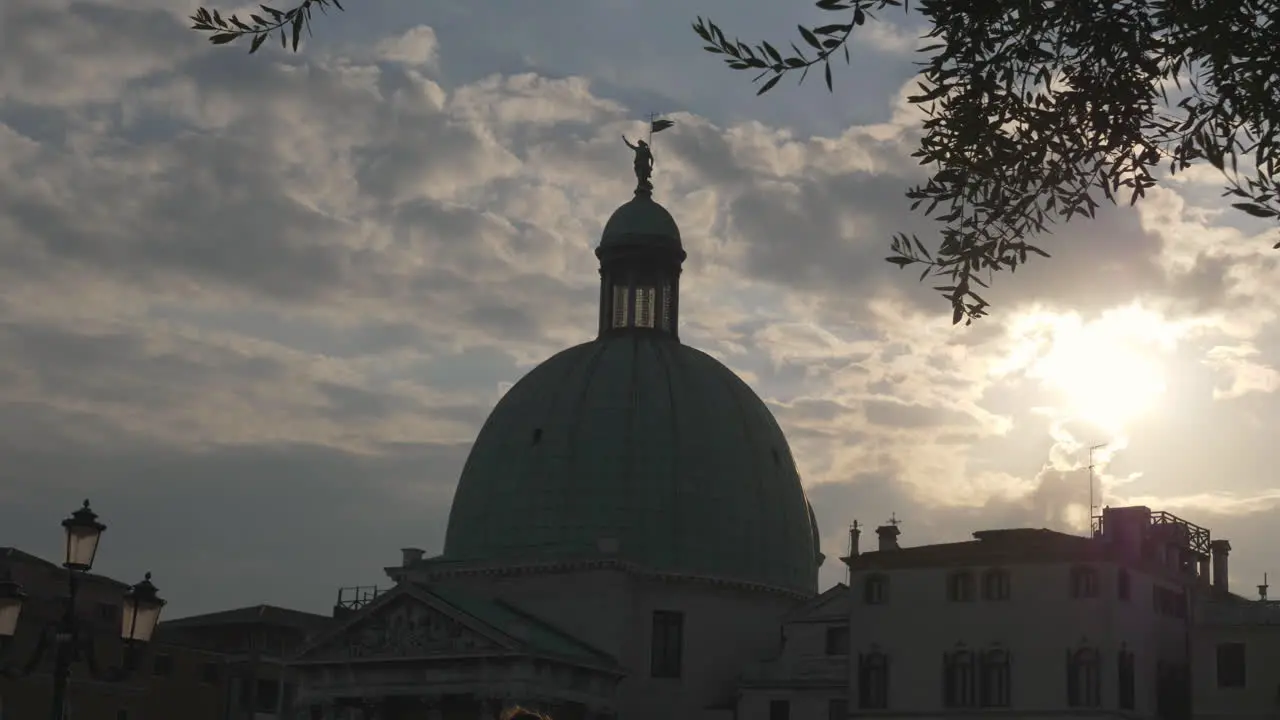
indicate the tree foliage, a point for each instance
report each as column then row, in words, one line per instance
column 289, row 24
column 1038, row 110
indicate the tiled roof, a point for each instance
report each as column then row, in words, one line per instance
column 832, row 603
column 14, row 555
column 990, row 547
column 254, row 615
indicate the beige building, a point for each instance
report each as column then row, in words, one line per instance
column 1236, row 656
column 1029, row 621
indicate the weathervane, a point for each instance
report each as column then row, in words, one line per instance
column 644, row 154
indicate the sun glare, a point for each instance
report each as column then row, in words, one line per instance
column 1105, row 372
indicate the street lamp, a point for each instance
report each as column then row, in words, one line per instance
column 140, row 613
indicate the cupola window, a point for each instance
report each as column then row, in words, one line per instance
column 621, row 316
column 644, row 306
column 641, row 305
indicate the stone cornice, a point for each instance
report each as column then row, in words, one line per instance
column 435, row 569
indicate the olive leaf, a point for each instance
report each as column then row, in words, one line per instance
column 288, row 23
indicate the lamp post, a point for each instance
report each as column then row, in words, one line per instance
column 140, row 613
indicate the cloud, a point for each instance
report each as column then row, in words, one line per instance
column 1246, row 375
column 287, row 290
column 417, row 46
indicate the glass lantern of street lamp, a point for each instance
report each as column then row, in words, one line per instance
column 141, row 612
column 83, row 532
column 11, row 597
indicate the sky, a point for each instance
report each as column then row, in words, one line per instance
column 257, row 308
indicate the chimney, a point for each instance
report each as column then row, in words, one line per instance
column 1220, row 550
column 855, row 532
column 888, row 536
column 410, row 557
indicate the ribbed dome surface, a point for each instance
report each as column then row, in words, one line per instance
column 641, row 222
column 638, row 447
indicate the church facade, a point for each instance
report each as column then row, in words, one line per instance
column 629, row 538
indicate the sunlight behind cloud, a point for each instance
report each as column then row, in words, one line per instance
column 1107, row 372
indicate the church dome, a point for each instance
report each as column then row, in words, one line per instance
column 637, row 447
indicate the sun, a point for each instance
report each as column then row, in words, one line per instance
column 1105, row 373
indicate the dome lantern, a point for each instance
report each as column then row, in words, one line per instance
column 640, row 262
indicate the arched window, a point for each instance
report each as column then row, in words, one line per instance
column 873, row 681
column 1084, row 678
column 959, row 680
column 960, row 586
column 995, row 584
column 995, row 679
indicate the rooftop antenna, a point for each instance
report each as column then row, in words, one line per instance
column 1262, row 589
column 1091, row 466
column 893, row 519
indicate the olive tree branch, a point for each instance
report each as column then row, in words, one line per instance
column 289, row 23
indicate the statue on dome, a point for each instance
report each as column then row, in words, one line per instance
column 643, row 164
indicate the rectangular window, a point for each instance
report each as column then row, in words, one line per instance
column 995, row 585
column 1123, row 583
column 1231, row 665
column 873, row 681
column 162, row 665
column 620, row 302
column 960, row 587
column 837, row 709
column 779, row 710
column 667, row 644
column 1084, row 583
column 838, row 640
column 875, row 589
column 1169, row 603
column 1126, row 680
column 268, row 695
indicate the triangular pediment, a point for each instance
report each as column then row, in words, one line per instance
column 406, row 623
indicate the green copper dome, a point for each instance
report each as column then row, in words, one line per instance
column 637, row 447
